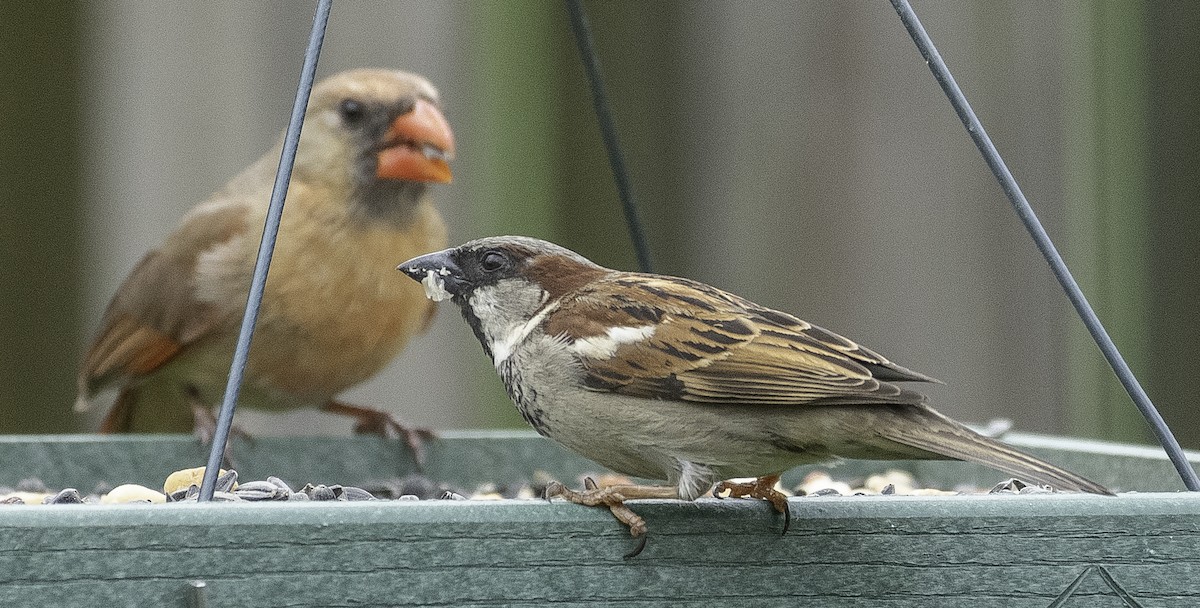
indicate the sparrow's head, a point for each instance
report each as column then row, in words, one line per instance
column 379, row 132
column 501, row 282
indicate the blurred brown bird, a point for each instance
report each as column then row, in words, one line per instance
column 333, row 313
column 666, row 378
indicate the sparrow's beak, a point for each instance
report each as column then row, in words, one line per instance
column 438, row 273
column 417, row 146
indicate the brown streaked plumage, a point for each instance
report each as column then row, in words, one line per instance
column 710, row 346
column 333, row 312
column 668, row 378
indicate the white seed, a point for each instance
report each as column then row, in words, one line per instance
column 131, row 492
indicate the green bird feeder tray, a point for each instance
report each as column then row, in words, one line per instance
column 1138, row 549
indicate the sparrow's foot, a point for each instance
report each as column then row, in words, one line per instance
column 370, row 421
column 614, row 498
column 762, row 488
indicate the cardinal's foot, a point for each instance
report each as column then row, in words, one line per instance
column 204, row 427
column 369, row 421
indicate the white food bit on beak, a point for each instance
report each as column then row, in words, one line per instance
column 433, row 152
column 435, row 286
column 603, row 347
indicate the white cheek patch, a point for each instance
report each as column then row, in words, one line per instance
column 502, row 350
column 435, row 285
column 603, row 347
column 507, row 339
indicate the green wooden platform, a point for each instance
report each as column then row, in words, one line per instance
column 1139, row 549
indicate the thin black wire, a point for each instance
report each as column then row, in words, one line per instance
column 942, row 74
column 608, row 129
column 266, row 248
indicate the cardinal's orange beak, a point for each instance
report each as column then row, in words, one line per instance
column 418, row 145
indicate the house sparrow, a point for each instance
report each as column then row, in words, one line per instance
column 667, row 378
column 332, row 315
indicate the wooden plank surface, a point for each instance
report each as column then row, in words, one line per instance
column 990, row 551
column 470, row 458
column 1057, row 551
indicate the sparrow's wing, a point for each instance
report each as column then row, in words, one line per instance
column 155, row 313
column 667, row 338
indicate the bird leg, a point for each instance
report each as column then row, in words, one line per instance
column 614, row 498
column 371, row 421
column 762, row 488
column 204, row 425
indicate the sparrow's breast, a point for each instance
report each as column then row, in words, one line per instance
column 526, row 397
column 545, row 381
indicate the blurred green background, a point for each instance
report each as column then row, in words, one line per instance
column 797, row 153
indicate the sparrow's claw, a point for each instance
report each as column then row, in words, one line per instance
column 614, row 498
column 595, row 496
column 762, row 488
column 369, row 421
column 638, row 549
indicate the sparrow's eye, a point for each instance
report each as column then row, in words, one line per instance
column 493, row 261
column 352, row 111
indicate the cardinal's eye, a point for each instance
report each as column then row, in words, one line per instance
column 493, row 261
column 352, row 111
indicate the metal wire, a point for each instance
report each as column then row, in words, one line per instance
column 266, row 247
column 975, row 129
column 608, row 129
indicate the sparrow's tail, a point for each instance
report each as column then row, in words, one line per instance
column 922, row 428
